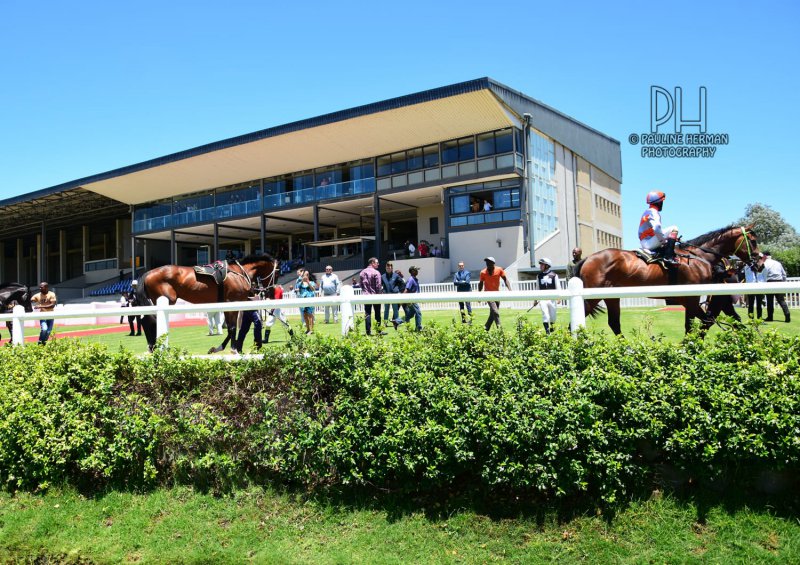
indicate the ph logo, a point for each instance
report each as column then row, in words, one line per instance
column 664, row 106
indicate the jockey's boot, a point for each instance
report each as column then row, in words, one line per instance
column 669, row 252
column 266, row 336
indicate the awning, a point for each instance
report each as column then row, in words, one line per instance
column 342, row 241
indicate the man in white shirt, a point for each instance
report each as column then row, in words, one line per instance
column 773, row 271
column 330, row 284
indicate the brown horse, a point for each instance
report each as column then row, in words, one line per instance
column 615, row 268
column 244, row 277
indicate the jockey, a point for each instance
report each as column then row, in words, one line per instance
column 651, row 235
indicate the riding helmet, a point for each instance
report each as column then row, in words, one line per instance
column 546, row 261
column 655, row 196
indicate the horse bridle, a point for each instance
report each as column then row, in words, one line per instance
column 745, row 239
column 270, row 280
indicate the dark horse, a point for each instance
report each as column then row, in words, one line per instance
column 14, row 292
column 615, row 267
column 243, row 278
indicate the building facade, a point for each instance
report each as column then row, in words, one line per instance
column 469, row 170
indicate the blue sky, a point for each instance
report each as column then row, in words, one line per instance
column 91, row 86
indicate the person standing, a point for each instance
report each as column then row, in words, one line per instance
column 132, row 300
column 463, row 283
column 490, row 281
column 413, row 310
column 307, row 288
column 44, row 301
column 577, row 254
column 390, row 283
column 752, row 274
column 330, row 284
column 548, row 280
column 774, row 272
column 371, row 283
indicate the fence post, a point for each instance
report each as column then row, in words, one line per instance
column 577, row 315
column 18, row 327
column 346, row 309
column 162, row 319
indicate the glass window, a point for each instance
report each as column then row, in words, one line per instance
column 450, row 151
column 384, row 165
column 430, row 156
column 466, row 148
column 434, row 225
column 301, row 182
column 398, row 162
column 503, row 142
column 486, row 144
column 414, row 159
column 459, row 204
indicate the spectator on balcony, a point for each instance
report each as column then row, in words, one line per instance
column 487, row 206
column 423, row 248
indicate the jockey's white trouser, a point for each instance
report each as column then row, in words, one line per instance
column 653, row 242
column 548, row 308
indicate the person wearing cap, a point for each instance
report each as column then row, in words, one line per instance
column 463, row 283
column 652, row 236
column 412, row 310
column 490, row 282
column 774, row 272
column 548, row 280
column 44, row 301
column 131, row 300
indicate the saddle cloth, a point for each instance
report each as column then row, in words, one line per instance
column 218, row 270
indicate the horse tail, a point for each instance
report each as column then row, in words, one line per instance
column 592, row 308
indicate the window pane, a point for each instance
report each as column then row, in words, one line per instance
column 398, row 162
column 384, row 165
column 434, row 225
column 503, row 142
column 414, row 159
column 485, row 144
column 466, row 148
column 502, row 198
column 450, row 151
column 430, row 156
column 459, row 204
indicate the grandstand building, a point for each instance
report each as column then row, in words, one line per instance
column 472, row 169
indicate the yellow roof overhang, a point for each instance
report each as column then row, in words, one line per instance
column 328, row 144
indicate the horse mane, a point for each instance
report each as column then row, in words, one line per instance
column 256, row 259
column 706, row 237
column 578, row 265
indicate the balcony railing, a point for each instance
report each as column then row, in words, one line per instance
column 253, row 206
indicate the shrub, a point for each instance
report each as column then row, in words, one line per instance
column 453, row 408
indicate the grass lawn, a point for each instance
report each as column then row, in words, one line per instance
column 648, row 321
column 179, row 525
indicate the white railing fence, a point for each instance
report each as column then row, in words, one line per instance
column 574, row 295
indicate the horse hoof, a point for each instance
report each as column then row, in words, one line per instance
column 212, row 350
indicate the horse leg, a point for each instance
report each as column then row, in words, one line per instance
column 693, row 310
column 612, row 307
column 230, row 321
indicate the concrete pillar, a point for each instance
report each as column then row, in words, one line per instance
column 85, row 244
column 62, row 255
column 39, row 258
column 20, row 253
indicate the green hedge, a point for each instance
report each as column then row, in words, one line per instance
column 452, row 408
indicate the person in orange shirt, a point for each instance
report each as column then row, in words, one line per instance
column 490, row 282
column 44, row 301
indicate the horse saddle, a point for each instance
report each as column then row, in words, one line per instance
column 218, row 270
column 651, row 258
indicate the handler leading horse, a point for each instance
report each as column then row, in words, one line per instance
column 176, row 282
column 615, row 268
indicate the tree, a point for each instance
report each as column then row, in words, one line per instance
column 774, row 232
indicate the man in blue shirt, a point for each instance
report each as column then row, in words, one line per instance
column 463, row 283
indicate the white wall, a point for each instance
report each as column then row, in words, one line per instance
column 472, row 246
